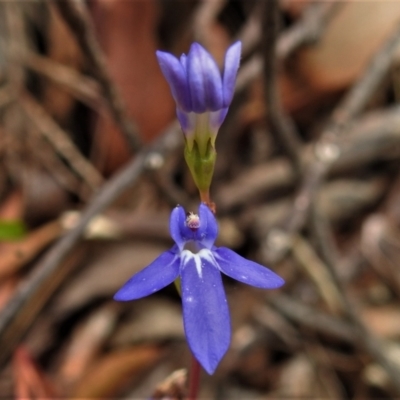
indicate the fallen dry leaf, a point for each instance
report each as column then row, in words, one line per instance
column 113, row 372
column 151, row 319
column 383, row 321
column 355, row 33
column 30, row 381
column 14, row 255
column 12, row 207
column 63, row 49
column 112, row 264
column 126, row 31
column 7, row 289
column 87, row 340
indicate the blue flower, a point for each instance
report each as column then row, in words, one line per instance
column 202, row 99
column 201, row 94
column 199, row 264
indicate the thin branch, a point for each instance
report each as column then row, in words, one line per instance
column 75, row 14
column 54, row 165
column 12, row 328
column 361, row 92
column 327, row 148
column 313, row 319
column 282, row 126
column 322, row 234
column 369, row 138
column 60, row 141
column 7, row 96
column 203, row 19
column 82, row 87
column 307, row 30
column 16, row 37
column 314, row 267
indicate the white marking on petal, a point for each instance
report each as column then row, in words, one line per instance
column 187, row 255
column 198, row 263
column 203, row 254
column 208, row 255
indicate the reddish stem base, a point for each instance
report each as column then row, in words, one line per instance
column 194, row 379
column 205, row 198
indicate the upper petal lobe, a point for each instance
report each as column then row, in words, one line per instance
column 204, row 80
column 246, row 271
column 175, row 75
column 232, row 61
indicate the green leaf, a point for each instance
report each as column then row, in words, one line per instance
column 12, row 230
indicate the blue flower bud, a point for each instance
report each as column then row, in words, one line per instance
column 198, row 87
column 195, row 80
column 202, row 97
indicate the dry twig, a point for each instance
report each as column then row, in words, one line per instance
column 282, row 126
column 313, row 319
column 60, row 141
column 371, row 137
column 327, row 149
column 77, row 18
column 366, row 338
column 12, row 328
column 82, row 87
column 307, row 30
column 46, row 155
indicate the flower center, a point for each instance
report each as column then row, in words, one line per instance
column 198, row 258
column 192, row 221
column 192, row 247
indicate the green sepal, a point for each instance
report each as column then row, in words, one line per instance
column 177, row 283
column 201, row 166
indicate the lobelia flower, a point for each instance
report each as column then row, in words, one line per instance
column 202, row 99
column 199, row 264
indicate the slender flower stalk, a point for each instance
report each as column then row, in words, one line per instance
column 199, row 264
column 202, row 97
column 194, row 379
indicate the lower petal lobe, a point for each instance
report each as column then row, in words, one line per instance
column 246, row 271
column 205, row 312
column 160, row 273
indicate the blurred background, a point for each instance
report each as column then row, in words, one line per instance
column 307, row 182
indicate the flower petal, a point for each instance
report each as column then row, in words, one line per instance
column 204, row 80
column 246, row 271
column 187, row 121
column 183, row 61
column 217, row 118
column 208, row 230
column 160, row 273
column 175, row 75
column 178, row 228
column 205, row 309
column 232, row 61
